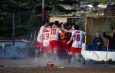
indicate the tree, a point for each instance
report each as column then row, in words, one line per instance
column 28, row 13
column 7, row 7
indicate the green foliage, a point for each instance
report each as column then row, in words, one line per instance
column 22, row 12
column 95, row 4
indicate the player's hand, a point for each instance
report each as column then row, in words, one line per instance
column 68, row 42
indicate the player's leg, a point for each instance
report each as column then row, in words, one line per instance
column 79, row 57
column 40, row 46
column 64, row 49
column 71, row 54
column 70, row 57
column 56, row 49
column 52, row 49
column 39, row 49
column 48, row 51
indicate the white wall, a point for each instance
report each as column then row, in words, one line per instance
column 99, row 55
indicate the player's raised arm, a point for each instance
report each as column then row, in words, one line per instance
column 70, row 39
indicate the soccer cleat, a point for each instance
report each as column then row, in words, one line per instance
column 69, row 59
column 83, row 60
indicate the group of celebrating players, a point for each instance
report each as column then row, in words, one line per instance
column 64, row 40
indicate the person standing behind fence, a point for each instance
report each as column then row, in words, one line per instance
column 98, row 42
column 111, row 39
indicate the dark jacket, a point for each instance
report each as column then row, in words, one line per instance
column 111, row 40
column 98, row 40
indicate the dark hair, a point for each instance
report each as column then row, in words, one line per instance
column 56, row 23
column 76, row 27
column 60, row 24
column 113, row 28
column 51, row 23
column 67, row 25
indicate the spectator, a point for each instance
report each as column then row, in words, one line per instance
column 111, row 39
column 98, row 42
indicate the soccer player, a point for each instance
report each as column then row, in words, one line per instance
column 40, row 38
column 64, row 37
column 46, row 40
column 54, row 38
column 75, row 50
